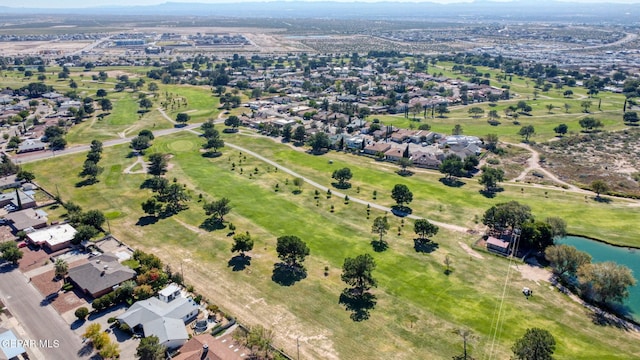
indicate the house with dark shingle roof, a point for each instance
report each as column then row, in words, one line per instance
column 100, row 275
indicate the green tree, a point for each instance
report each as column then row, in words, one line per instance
column 605, row 282
column 599, row 187
column 357, row 273
column 343, row 176
column 218, row 209
column 157, row 164
column 586, row 105
column 451, row 166
column 589, row 123
column 242, row 243
column 92, row 331
column 536, row 235
column 491, row 142
column 81, row 313
column 182, row 118
column 105, row 105
column 380, row 226
column 91, row 170
column 526, row 132
column 299, row 134
column 286, row 133
column 630, row 117
column 549, row 108
column 442, row 109
column 174, row 196
column 401, row 194
column 140, row 143
column 510, row 215
column 61, row 268
column 404, row 163
column 24, row 175
column 110, row 350
column 457, row 130
column 292, row 251
column 558, row 226
column 476, row 112
column 149, row 348
column 232, row 121
column 83, row 233
column 535, row 344
column 424, row 228
column 151, row 207
column 490, row 178
column 146, row 103
column 565, row 260
column 561, row 129
column 319, row 141
column 10, row 252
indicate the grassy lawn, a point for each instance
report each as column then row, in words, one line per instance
column 410, row 283
column 434, row 200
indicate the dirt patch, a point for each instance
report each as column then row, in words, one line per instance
column 32, row 259
column 613, row 157
column 46, row 283
column 470, row 251
column 69, row 300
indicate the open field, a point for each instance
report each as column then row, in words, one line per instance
column 411, row 283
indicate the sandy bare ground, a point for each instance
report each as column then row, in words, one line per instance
column 470, row 251
column 139, row 160
column 37, row 47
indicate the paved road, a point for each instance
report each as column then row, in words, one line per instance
column 40, row 322
column 82, row 148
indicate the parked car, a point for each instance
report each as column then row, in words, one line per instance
column 22, row 244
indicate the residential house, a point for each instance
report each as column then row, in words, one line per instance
column 205, row 346
column 10, row 346
column 16, row 199
column 53, row 238
column 31, row 145
column 426, row 159
column 498, row 245
column 375, row 148
column 100, row 275
column 164, row 316
column 394, row 154
column 354, row 143
column 10, row 181
column 26, row 219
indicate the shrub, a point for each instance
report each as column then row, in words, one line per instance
column 81, row 313
column 198, row 299
column 111, row 320
column 67, row 287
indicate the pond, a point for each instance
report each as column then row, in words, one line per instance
column 601, row 252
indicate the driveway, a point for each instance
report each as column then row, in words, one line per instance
column 41, row 322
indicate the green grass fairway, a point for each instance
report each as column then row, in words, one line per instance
column 418, row 306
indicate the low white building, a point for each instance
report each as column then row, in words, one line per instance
column 54, row 237
column 164, row 316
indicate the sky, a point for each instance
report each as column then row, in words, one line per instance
column 97, row 3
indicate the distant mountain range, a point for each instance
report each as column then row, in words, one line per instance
column 523, row 10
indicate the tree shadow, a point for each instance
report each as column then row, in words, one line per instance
column 360, row 305
column 286, row 275
column 86, row 349
column 601, row 199
column 343, row 186
column 211, row 224
column 379, row 245
column 147, row 220
column 296, row 192
column 602, row 318
column 211, row 154
column 239, row 262
column 451, row 182
column 401, row 211
column 490, row 194
column 425, row 246
column 405, row 173
column 78, row 323
column 86, row 182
